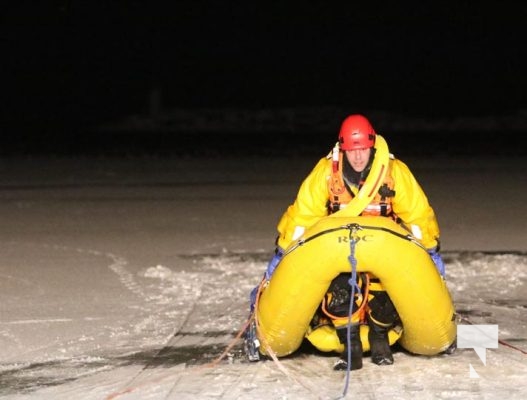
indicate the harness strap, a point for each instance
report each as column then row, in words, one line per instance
column 372, row 184
column 363, row 297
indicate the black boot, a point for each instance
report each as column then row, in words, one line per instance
column 355, row 348
column 381, row 354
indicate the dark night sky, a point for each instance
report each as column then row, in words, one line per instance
column 70, row 64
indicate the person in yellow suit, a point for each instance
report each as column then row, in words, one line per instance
column 335, row 183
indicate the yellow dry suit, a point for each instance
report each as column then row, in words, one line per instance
column 389, row 190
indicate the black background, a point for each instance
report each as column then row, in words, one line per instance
column 70, row 66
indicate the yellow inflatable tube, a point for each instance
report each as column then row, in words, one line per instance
column 380, row 246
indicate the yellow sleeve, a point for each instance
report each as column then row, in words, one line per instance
column 309, row 205
column 411, row 205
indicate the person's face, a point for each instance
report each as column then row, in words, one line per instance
column 358, row 159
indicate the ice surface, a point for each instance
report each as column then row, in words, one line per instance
column 127, row 278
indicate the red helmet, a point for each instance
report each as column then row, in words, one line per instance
column 356, row 133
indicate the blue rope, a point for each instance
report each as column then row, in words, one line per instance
column 354, row 289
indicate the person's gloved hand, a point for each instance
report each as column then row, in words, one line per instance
column 273, row 263
column 438, row 261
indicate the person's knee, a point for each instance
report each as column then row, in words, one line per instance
column 382, row 309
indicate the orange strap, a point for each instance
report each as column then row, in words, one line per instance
column 360, row 312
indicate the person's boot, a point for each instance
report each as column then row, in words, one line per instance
column 381, row 354
column 355, row 348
